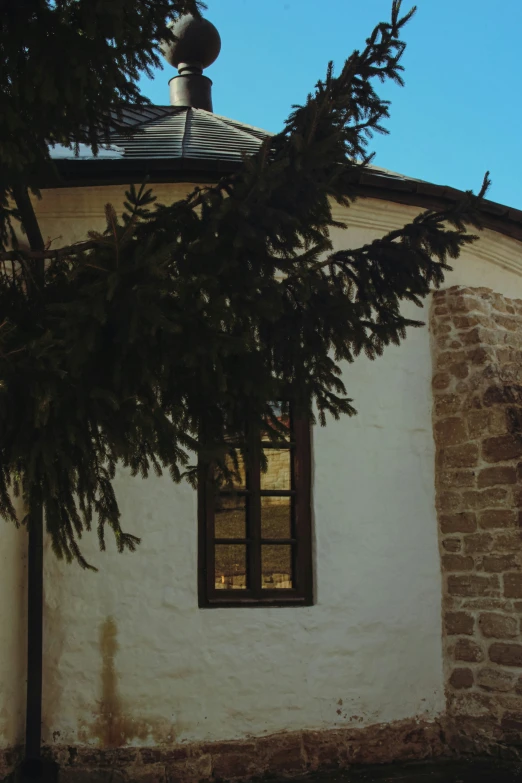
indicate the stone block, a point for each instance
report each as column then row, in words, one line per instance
column 487, row 604
column 510, row 541
column 325, row 749
column 457, row 478
column 464, row 456
column 85, row 775
column 463, row 522
column 506, row 654
column 498, row 303
column 498, row 563
column 467, row 304
column 495, row 680
column 471, row 703
column 457, row 563
column 473, row 585
column 479, row 336
column 110, row 757
column 457, row 623
column 448, row 502
column 478, row 542
column 459, row 370
column 165, row 755
column 511, row 324
column 227, row 766
column 512, row 721
column 448, row 404
column 152, row 773
column 282, row 754
column 467, row 321
column 497, row 518
column 441, row 380
column 468, row 650
column 489, row 477
column 190, row 770
column 479, row 356
column 502, row 394
column 498, row 626
column 501, row 448
column 452, row 544
column 513, row 585
column 478, row 423
column 493, row 497
column 461, row 678
column 447, row 358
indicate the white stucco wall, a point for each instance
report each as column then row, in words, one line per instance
column 13, row 623
column 132, row 637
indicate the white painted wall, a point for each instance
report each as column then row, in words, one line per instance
column 368, row 651
column 13, row 623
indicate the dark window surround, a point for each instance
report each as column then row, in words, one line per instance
column 302, row 593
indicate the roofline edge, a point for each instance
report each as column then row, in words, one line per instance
column 410, row 192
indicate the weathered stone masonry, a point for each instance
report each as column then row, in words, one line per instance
column 477, row 384
column 281, row 755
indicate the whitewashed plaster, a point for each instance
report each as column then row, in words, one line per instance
column 368, row 651
column 13, row 624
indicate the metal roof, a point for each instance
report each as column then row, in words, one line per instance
column 167, row 132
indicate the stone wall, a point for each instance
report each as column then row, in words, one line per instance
column 477, row 383
column 285, row 755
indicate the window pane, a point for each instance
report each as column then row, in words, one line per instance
column 276, row 567
column 280, row 431
column 277, row 475
column 230, row 516
column 276, row 517
column 237, row 466
column 230, row 567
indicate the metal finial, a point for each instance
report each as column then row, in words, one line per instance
column 197, row 46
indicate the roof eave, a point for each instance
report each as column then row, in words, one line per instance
column 497, row 217
column 82, row 173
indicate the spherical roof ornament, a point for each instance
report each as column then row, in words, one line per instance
column 197, row 44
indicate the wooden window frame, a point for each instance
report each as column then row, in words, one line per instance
column 301, row 540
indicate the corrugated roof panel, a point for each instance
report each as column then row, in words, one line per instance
column 208, row 137
column 187, row 133
column 137, row 115
column 251, row 129
column 160, row 138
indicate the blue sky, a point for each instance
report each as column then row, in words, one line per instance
column 459, row 114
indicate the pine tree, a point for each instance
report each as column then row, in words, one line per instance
column 145, row 344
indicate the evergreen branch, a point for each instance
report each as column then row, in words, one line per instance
column 177, row 323
column 35, row 255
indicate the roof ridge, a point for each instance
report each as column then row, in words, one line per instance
column 185, row 132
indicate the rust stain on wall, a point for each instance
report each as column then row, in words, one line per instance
column 114, row 726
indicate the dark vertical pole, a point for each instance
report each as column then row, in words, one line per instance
column 32, row 766
column 254, row 509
